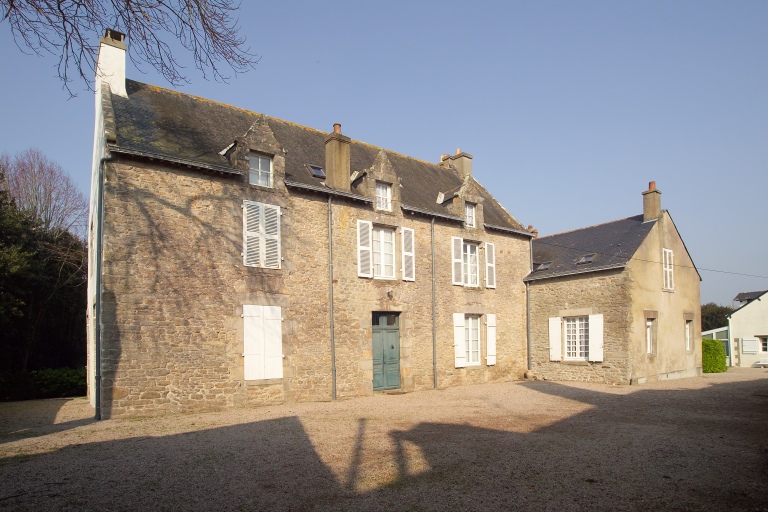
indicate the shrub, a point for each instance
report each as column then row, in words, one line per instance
column 712, row 356
column 50, row 383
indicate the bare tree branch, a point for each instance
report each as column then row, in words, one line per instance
column 44, row 189
column 208, row 29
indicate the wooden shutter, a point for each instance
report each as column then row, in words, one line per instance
column 364, row 248
column 457, row 261
column 490, row 339
column 253, row 342
column 271, row 238
column 459, row 350
column 490, row 265
column 595, row 337
column 409, row 256
column 555, row 339
column 273, row 342
column 252, row 239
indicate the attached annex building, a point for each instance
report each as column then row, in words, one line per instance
column 617, row 302
column 236, row 258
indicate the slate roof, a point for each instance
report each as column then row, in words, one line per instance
column 177, row 127
column 748, row 296
column 613, row 244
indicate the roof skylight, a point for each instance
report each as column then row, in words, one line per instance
column 589, row 258
column 544, row 266
column 317, row 171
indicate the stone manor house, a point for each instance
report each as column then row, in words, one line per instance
column 239, row 259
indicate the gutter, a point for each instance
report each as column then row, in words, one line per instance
column 330, row 296
column 434, row 313
column 528, row 314
column 99, row 258
column 156, row 156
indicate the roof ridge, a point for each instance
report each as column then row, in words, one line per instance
column 589, row 227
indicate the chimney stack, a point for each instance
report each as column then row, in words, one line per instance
column 110, row 64
column 461, row 161
column 651, row 203
column 337, row 159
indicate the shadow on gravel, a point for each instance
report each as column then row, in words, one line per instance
column 34, row 418
column 649, row 450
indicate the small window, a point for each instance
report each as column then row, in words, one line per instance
column 650, row 324
column 260, row 170
column 469, row 214
column 688, row 337
column 589, row 258
column 316, row 171
column 383, row 196
column 668, row 269
column 543, row 266
column 764, row 344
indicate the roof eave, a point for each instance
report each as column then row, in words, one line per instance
column 179, row 161
column 532, row 277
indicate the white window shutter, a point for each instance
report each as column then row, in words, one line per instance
column 273, row 342
column 671, row 270
column 271, row 236
column 459, row 350
column 490, row 265
column 490, row 339
column 253, row 342
column 409, row 256
column 364, row 248
column 555, row 339
column 595, row 337
column 252, row 239
column 457, row 262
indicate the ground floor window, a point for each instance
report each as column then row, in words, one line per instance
column 764, row 344
column 577, row 337
column 688, row 339
column 472, row 338
column 649, row 328
column 469, row 339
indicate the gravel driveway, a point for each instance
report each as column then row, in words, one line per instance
column 690, row 444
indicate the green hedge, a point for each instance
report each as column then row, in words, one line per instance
column 713, row 356
column 51, row 383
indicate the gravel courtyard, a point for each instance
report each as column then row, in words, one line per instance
column 691, row 444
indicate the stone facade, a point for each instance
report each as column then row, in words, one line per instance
column 174, row 286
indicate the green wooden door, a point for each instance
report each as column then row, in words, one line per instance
column 386, row 351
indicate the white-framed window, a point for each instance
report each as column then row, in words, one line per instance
column 688, row 335
column 465, row 262
column 260, row 172
column 469, row 214
column 580, row 338
column 668, row 264
column 468, row 340
column 261, row 235
column 649, row 328
column 383, row 252
column 262, row 342
column 383, row 196
column 577, row 337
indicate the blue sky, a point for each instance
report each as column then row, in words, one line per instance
column 569, row 108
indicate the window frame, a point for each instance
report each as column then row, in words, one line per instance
column 383, row 201
column 259, row 157
column 650, row 327
column 377, row 254
column 668, row 269
column 688, row 336
column 473, row 354
column 467, row 265
column 763, row 340
column 470, row 215
column 579, row 338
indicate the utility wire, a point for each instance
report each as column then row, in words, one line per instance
column 633, row 258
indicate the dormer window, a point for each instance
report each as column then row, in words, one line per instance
column 469, row 215
column 260, row 172
column 589, row 258
column 383, row 196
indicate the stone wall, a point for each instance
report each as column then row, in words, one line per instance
column 175, row 283
column 606, row 293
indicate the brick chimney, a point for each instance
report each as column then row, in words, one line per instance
column 110, row 64
column 461, row 161
column 651, row 203
column 337, row 159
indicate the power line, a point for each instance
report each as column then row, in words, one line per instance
column 633, row 258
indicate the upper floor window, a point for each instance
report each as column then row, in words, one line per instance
column 260, row 172
column 469, row 214
column 261, row 235
column 383, row 196
column 383, row 252
column 466, row 263
column 668, row 269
